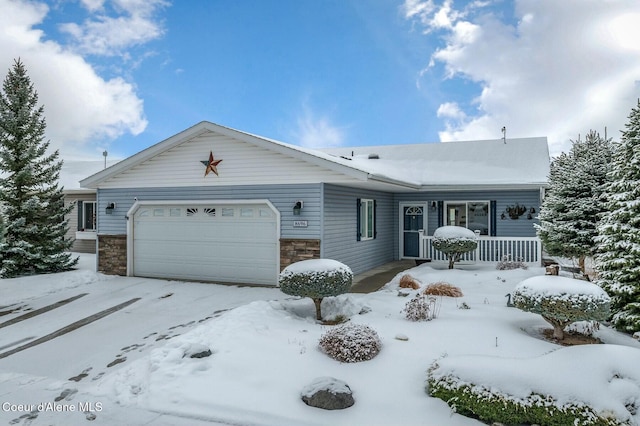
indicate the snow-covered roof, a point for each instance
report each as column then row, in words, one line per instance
column 519, row 161
column 489, row 163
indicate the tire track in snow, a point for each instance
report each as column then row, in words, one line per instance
column 69, row 328
column 42, row 310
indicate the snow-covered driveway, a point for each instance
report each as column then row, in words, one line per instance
column 84, row 324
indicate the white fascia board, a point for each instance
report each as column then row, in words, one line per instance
column 395, row 182
column 483, row 187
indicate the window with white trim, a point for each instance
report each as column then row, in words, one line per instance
column 366, row 219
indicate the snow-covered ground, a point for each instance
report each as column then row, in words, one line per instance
column 265, row 352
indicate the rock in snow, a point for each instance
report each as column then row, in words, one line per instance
column 328, row 393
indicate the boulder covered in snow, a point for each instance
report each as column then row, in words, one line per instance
column 328, row 393
column 195, row 350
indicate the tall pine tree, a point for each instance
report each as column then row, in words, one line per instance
column 33, row 204
column 573, row 205
column 618, row 259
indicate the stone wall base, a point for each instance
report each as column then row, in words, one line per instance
column 293, row 250
column 112, row 254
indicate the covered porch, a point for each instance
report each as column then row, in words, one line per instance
column 490, row 250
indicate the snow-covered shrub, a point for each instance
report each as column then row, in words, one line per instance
column 419, row 308
column 543, row 389
column 492, row 407
column 407, row 281
column 317, row 279
column 442, row 288
column 454, row 241
column 507, row 263
column 562, row 301
column 351, row 343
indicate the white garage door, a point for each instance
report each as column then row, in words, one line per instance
column 224, row 243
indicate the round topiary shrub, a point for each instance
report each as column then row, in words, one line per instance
column 454, row 241
column 351, row 343
column 317, row 279
column 562, row 300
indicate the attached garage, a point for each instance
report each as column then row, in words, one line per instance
column 232, row 242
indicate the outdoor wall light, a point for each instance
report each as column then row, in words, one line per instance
column 110, row 208
column 297, row 207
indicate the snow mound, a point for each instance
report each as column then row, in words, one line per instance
column 316, row 266
column 553, row 285
column 455, row 232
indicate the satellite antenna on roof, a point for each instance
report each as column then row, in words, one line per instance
column 504, row 134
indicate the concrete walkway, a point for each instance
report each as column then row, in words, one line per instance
column 374, row 279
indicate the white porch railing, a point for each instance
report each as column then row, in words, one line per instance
column 490, row 250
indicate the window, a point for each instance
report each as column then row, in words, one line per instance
column 86, row 215
column 366, row 219
column 473, row 215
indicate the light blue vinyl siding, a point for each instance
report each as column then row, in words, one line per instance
column 339, row 237
column 521, row 227
column 283, row 197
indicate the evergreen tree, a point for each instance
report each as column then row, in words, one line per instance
column 571, row 210
column 33, row 203
column 618, row 259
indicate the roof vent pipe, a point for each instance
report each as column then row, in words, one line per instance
column 374, row 157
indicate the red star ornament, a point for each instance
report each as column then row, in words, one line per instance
column 211, row 165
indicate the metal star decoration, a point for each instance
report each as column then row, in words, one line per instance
column 211, row 164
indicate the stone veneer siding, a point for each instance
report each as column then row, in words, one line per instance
column 112, row 254
column 294, row 250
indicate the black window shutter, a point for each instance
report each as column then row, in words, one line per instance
column 440, row 213
column 79, row 207
column 375, row 218
column 358, row 206
column 492, row 217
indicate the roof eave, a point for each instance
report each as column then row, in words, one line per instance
column 394, row 182
column 484, row 187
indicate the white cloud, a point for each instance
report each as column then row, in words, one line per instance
column 315, row 131
column 102, row 34
column 451, row 110
column 82, row 109
column 563, row 68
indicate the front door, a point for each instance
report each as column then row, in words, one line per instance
column 412, row 217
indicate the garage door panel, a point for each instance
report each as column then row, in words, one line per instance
column 211, row 243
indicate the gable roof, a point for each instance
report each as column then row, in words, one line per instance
column 405, row 167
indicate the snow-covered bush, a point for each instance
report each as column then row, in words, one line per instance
column 561, row 301
column 317, row 279
column 578, row 385
column 351, row 343
column 492, row 407
column 454, row 241
column 507, row 263
column 418, row 308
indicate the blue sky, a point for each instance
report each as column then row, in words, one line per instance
column 122, row 75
